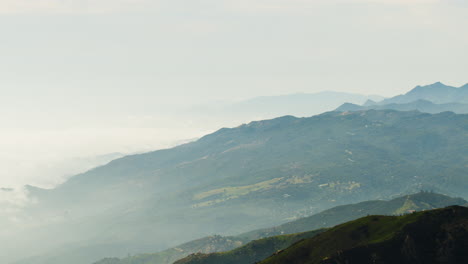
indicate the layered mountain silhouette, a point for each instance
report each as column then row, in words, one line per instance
column 434, row 98
column 260, row 249
column 235, row 180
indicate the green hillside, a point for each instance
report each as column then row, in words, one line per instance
column 437, row 236
column 248, row 253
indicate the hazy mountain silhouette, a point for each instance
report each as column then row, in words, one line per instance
column 266, row 107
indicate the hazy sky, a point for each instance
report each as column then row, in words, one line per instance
column 88, row 77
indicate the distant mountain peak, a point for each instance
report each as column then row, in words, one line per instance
column 436, row 85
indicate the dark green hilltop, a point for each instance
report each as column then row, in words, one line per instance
column 437, row 236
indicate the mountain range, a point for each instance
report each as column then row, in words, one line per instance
column 260, row 174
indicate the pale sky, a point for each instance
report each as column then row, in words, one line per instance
column 87, row 77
